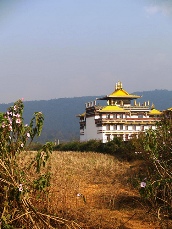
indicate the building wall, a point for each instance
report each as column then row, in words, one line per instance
column 91, row 131
column 109, row 128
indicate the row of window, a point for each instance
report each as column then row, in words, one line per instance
column 124, row 127
column 121, row 116
column 124, row 137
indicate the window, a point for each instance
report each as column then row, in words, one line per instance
column 114, row 127
column 134, row 127
column 107, row 127
column 120, row 115
column 108, row 138
column 126, row 137
column 114, row 116
column 108, row 116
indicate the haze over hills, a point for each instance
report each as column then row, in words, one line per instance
column 60, row 114
column 162, row 99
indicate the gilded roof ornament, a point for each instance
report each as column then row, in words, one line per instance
column 119, row 93
column 153, row 106
column 118, row 85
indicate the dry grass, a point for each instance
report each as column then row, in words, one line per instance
column 92, row 189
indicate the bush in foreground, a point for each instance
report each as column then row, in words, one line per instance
column 155, row 177
column 21, row 183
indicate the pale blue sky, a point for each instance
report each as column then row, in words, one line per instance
column 70, row 48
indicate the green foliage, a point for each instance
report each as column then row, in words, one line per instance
column 156, row 176
column 1, row 117
column 87, row 146
column 15, row 187
column 122, row 150
column 114, row 146
column 43, row 155
column 35, row 146
column 36, row 124
column 43, row 182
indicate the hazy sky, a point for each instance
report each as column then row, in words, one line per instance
column 70, row 48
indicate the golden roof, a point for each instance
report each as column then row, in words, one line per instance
column 120, row 93
column 112, row 109
column 155, row 112
column 81, row 115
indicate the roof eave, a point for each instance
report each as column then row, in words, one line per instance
column 119, row 111
column 120, row 97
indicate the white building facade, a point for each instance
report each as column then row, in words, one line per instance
column 119, row 118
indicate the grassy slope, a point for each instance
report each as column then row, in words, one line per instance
column 102, row 181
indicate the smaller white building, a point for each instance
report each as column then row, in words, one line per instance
column 118, row 118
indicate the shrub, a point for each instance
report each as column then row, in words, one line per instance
column 117, row 147
column 18, row 190
column 156, row 176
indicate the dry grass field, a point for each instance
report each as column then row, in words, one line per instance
column 93, row 190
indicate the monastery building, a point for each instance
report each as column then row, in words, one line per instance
column 121, row 117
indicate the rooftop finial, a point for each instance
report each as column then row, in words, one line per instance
column 153, row 106
column 119, row 85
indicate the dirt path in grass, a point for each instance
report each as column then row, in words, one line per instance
column 94, row 191
column 119, row 209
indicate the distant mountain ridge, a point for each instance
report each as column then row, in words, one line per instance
column 162, row 99
column 60, row 114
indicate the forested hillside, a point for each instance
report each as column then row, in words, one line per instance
column 60, row 114
column 60, row 121
column 162, row 99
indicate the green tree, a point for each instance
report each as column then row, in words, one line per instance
column 17, row 190
column 156, row 177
